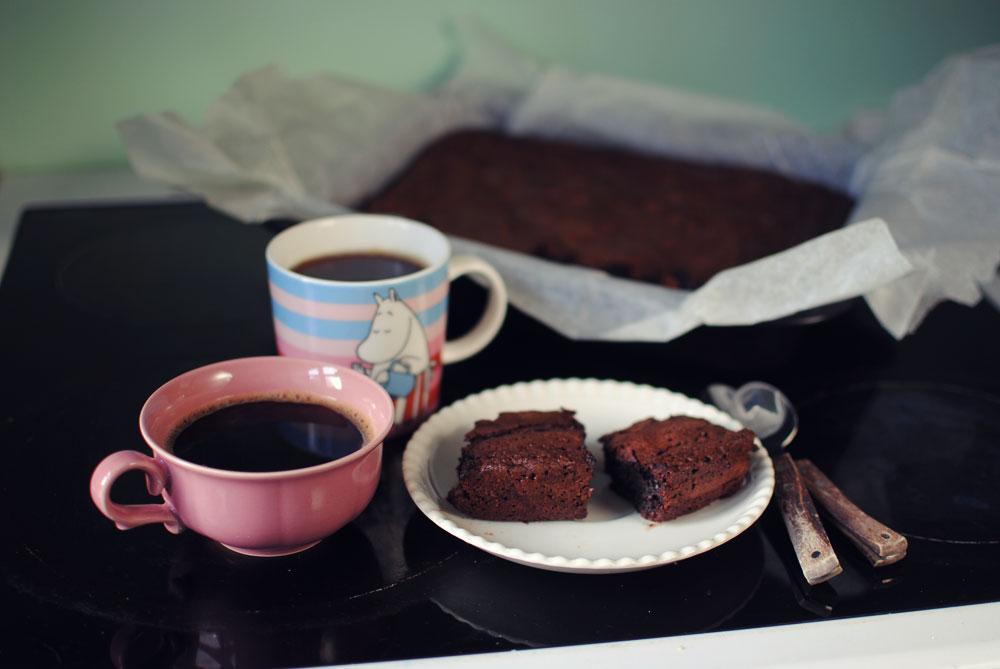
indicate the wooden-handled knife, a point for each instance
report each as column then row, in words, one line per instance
column 809, row 539
column 879, row 544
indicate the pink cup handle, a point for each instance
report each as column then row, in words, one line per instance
column 127, row 516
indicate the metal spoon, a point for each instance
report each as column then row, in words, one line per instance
column 765, row 410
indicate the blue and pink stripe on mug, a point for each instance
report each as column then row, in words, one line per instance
column 392, row 329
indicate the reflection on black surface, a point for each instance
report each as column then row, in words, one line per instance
column 820, row 599
column 219, row 608
column 537, row 607
column 161, row 272
column 86, row 351
column 385, row 520
column 923, row 459
column 220, row 648
column 218, row 587
column 419, row 630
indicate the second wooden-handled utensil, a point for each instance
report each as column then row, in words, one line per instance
column 879, row 544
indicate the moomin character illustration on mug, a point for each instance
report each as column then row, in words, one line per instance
column 395, row 351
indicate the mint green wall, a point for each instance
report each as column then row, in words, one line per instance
column 69, row 69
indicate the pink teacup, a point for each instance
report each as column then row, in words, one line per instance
column 255, row 513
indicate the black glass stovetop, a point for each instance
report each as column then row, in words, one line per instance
column 99, row 306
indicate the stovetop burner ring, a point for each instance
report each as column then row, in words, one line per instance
column 922, row 458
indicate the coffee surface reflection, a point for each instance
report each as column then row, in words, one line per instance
column 365, row 266
column 267, row 436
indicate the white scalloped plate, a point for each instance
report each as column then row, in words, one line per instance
column 613, row 537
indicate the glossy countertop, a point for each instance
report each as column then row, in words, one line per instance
column 423, row 594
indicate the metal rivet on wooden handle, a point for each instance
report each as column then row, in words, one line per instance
column 812, row 545
column 879, row 544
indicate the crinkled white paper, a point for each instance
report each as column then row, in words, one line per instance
column 276, row 147
column 925, row 172
column 933, row 173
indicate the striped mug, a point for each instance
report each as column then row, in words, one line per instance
column 391, row 328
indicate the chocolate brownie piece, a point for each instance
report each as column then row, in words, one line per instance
column 671, row 467
column 650, row 218
column 525, row 421
column 527, row 466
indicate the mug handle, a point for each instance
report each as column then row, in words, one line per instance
column 485, row 330
column 127, row 516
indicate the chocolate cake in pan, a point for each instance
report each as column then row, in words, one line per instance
column 650, row 218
